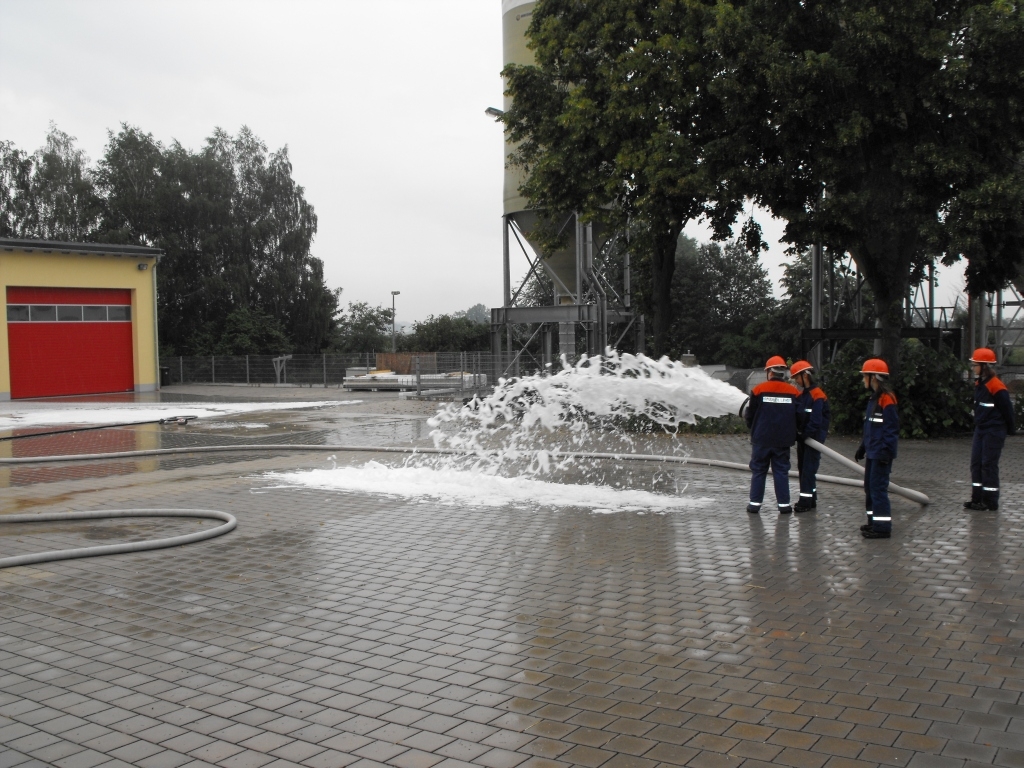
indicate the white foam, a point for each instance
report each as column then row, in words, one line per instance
column 450, row 487
column 585, row 402
column 21, row 415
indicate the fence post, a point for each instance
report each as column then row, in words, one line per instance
column 181, row 369
column 247, row 369
column 462, row 373
column 418, row 390
column 325, row 370
column 213, row 369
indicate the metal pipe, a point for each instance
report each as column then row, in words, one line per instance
column 816, row 297
column 931, row 294
column 507, row 295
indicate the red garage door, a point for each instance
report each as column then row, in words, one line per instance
column 69, row 341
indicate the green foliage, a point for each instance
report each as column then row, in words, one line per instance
column 235, row 228
column 604, row 118
column 448, row 333
column 730, row 424
column 362, row 328
column 248, row 332
column 49, row 194
column 889, row 131
column 934, row 394
column 478, row 313
column 716, row 292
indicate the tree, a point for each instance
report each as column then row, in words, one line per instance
column 236, row 230
column 893, row 132
column 362, row 329
column 478, row 313
column 448, row 333
column 888, row 131
column 248, row 332
column 777, row 331
column 16, row 200
column 716, row 292
column 603, row 120
column 50, row 194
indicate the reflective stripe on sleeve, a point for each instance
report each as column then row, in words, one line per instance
column 987, row 405
column 882, row 519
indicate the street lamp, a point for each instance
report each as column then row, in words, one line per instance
column 393, row 294
column 494, row 112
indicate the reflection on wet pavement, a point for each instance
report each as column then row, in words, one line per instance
column 339, row 628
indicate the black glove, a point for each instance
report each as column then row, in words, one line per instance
column 861, row 453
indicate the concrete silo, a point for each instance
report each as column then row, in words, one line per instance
column 583, row 297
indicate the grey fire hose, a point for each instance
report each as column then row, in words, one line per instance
column 115, row 549
column 920, row 498
column 906, row 493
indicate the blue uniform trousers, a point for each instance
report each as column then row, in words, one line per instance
column 985, row 452
column 762, row 457
column 807, row 461
column 876, row 492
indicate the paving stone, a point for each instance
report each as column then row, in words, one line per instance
column 330, row 622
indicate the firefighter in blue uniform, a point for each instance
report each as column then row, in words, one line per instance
column 881, row 438
column 993, row 421
column 771, row 414
column 813, row 404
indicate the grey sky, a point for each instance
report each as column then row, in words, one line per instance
column 380, row 103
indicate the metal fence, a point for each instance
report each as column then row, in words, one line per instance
column 332, row 370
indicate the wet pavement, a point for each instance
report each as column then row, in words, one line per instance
column 343, row 629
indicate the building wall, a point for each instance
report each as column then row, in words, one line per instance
column 56, row 270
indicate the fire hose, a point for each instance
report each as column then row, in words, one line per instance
column 907, row 493
column 115, row 549
column 230, row 522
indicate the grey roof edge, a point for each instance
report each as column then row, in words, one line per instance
column 100, row 249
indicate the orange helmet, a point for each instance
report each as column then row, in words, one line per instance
column 799, row 367
column 775, row 362
column 875, row 366
column 984, row 355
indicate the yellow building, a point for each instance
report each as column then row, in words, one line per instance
column 80, row 319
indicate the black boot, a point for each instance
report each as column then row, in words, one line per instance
column 754, row 509
column 785, row 509
column 977, row 506
column 873, row 534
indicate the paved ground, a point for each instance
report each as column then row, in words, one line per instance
column 339, row 629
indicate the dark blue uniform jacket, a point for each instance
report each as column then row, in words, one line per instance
column 772, row 414
column 881, row 427
column 813, row 404
column 993, row 410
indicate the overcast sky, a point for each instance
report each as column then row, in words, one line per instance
column 380, row 104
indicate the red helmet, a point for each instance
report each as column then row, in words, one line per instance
column 799, row 367
column 984, row 355
column 875, row 366
column 775, row 362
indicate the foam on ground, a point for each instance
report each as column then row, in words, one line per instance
column 23, row 415
column 450, row 487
